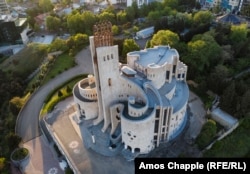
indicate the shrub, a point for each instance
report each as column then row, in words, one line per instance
column 207, row 134
column 20, row 154
column 68, row 89
column 60, row 94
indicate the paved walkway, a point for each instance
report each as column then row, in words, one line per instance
column 42, row 158
column 86, row 160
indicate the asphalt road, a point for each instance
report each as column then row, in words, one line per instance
column 27, row 125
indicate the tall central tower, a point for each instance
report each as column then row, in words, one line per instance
column 106, row 69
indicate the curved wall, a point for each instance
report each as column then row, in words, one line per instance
column 133, row 137
column 85, row 91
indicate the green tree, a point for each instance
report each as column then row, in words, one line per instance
column 131, row 13
column 89, row 19
column 207, row 134
column 68, row 89
column 53, row 23
column 203, row 54
column 13, row 141
column 58, row 45
column 171, row 3
column 15, row 104
column 229, row 99
column 107, row 16
column 245, row 103
column 59, row 93
column 2, row 163
column 45, row 5
column 80, row 40
column 66, row 2
column 75, row 23
column 165, row 37
column 202, row 17
column 246, row 10
column 154, row 16
column 238, row 33
column 217, row 79
column 122, row 17
column 128, row 46
column 115, row 29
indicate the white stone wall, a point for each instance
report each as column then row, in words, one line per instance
column 181, row 71
column 115, row 112
column 96, row 74
column 129, row 88
column 138, row 133
column 88, row 109
column 135, row 111
column 108, row 67
column 88, row 93
column 131, row 60
column 175, row 120
column 157, row 74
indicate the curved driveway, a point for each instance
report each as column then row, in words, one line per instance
column 27, row 125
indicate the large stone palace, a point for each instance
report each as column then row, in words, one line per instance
column 131, row 108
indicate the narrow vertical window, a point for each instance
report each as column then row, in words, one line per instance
column 109, row 81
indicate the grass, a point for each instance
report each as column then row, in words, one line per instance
column 26, row 61
column 62, row 63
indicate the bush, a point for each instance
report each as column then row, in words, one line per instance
column 68, row 89
column 13, row 140
column 20, row 154
column 207, row 134
column 60, row 94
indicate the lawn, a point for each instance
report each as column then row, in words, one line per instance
column 62, row 63
column 26, row 61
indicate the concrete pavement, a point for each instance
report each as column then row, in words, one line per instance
column 87, row 161
column 42, row 159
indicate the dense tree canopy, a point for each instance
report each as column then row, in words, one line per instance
column 128, row 46
column 238, row 33
column 203, row 54
column 45, row 5
column 53, row 23
column 207, row 134
column 165, row 37
column 202, row 17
